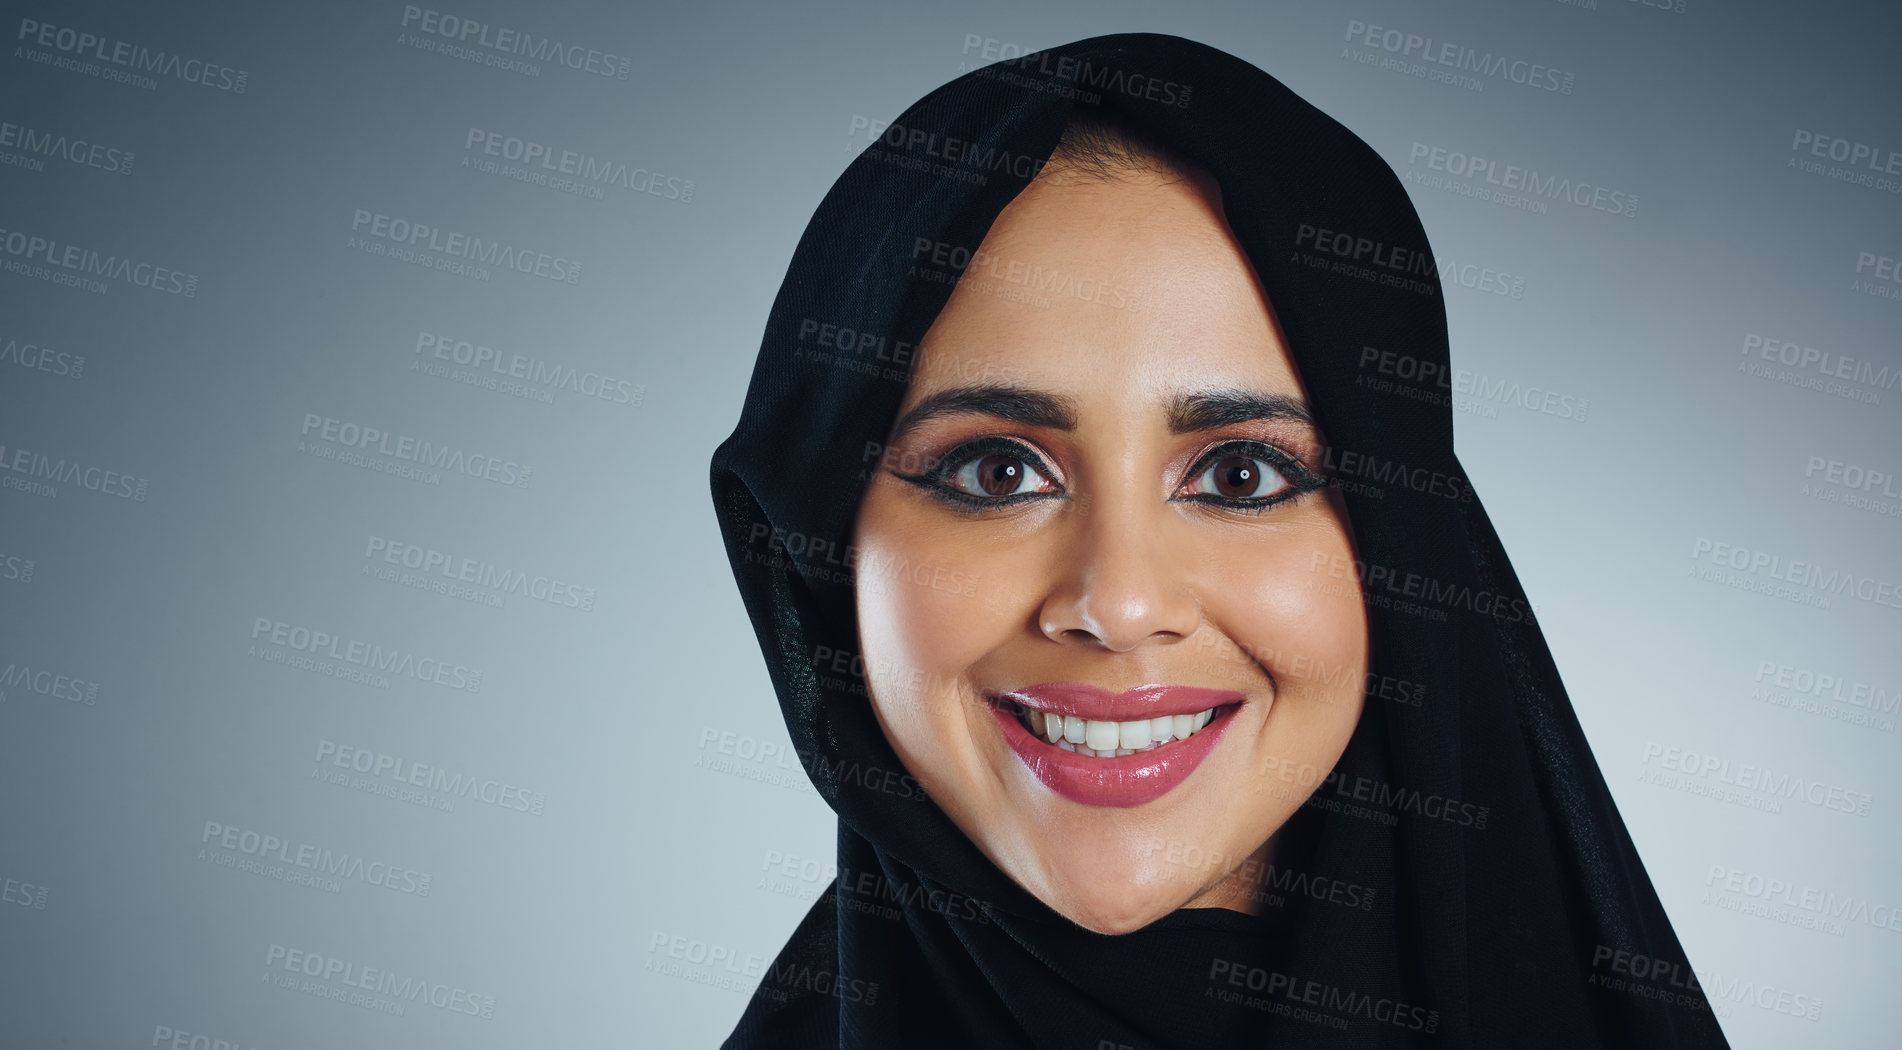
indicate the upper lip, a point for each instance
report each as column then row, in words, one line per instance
column 1078, row 700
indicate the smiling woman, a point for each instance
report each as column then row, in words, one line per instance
column 1192, row 700
column 1146, row 490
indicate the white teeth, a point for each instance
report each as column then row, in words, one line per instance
column 1096, row 738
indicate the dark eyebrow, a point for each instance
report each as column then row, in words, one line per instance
column 1188, row 413
column 1004, row 402
column 1192, row 412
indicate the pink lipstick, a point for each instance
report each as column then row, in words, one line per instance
column 1113, row 749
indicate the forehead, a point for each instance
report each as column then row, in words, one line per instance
column 1123, row 287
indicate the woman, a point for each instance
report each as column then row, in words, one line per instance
column 1171, row 686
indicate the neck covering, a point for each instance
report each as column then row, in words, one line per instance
column 1494, row 897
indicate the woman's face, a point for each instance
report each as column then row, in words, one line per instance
column 1099, row 519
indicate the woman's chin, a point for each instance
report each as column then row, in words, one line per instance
column 1113, row 910
column 1107, row 870
column 1102, row 896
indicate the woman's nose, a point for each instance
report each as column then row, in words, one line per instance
column 1117, row 583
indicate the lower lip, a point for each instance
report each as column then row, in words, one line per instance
column 1127, row 780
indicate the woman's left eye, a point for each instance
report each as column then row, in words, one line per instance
column 1238, row 477
column 998, row 474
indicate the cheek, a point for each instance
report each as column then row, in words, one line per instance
column 1292, row 605
column 928, row 613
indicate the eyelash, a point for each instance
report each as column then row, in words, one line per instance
column 932, row 480
column 1301, row 481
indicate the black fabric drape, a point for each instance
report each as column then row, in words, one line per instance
column 1503, row 884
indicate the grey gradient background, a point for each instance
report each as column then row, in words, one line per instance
column 675, row 824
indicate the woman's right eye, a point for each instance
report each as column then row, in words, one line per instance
column 998, row 475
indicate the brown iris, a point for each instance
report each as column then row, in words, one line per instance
column 1236, row 477
column 1000, row 475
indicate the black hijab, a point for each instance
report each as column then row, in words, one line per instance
column 1496, row 899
